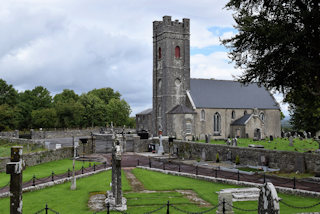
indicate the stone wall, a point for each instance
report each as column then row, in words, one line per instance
column 10, row 134
column 32, row 159
column 104, row 142
column 284, row 160
column 62, row 133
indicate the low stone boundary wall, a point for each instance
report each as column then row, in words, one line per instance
column 61, row 133
column 285, row 190
column 32, row 159
column 10, row 134
column 284, row 160
column 21, row 141
column 52, row 183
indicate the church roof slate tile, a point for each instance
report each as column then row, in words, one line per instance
column 147, row 111
column 210, row 93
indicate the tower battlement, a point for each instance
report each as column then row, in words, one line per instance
column 167, row 25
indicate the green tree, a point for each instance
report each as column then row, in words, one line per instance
column 8, row 95
column 277, row 45
column 66, row 96
column 118, row 112
column 44, row 118
column 94, row 111
column 36, row 99
column 7, row 118
column 105, row 94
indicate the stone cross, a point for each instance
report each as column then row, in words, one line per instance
column 14, row 168
column 160, row 150
column 115, row 199
column 268, row 200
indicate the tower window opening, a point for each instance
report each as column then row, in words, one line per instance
column 159, row 54
column 177, row 52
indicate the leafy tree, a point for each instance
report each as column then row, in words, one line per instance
column 277, row 45
column 66, row 96
column 7, row 118
column 105, row 94
column 95, row 111
column 69, row 114
column 36, row 99
column 8, row 95
column 44, row 118
column 118, row 112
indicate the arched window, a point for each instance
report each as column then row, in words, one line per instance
column 216, row 123
column 159, row 84
column 203, row 115
column 188, row 128
column 233, row 114
column 177, row 52
column 245, row 112
column 261, row 116
column 159, row 53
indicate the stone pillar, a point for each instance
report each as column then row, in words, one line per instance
column 268, row 200
column 118, row 195
column 14, row 168
column 226, row 198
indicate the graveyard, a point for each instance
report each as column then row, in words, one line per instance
column 280, row 144
column 157, row 190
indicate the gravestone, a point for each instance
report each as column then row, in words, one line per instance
column 207, row 138
column 263, row 160
column 229, row 155
column 305, row 134
column 282, row 134
column 234, row 142
column 299, row 164
column 268, row 200
column 290, row 141
column 271, row 138
column 203, row 154
column 309, row 135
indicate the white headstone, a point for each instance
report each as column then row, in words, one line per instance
column 268, row 200
column 58, row 146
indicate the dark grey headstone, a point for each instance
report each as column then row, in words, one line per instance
column 299, row 164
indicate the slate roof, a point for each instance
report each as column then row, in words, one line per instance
column 147, row 111
column 181, row 109
column 242, row 120
column 209, row 93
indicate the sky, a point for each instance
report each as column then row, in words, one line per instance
column 87, row 44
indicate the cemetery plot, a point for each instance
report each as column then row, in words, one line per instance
column 282, row 144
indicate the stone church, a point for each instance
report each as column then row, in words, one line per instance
column 185, row 107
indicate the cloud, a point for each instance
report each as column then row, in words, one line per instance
column 87, row 44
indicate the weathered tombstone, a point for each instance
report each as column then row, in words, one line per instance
column 160, row 149
column 305, row 134
column 271, row 138
column 229, row 155
column 299, row 164
column 14, row 168
column 207, row 138
column 290, row 141
column 58, row 146
column 47, row 145
column 268, row 200
column 234, row 142
column 309, row 135
column 203, row 154
column 263, row 160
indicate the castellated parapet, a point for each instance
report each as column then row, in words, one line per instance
column 171, row 69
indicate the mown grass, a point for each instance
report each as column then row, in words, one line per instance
column 5, row 148
column 281, row 144
column 65, row 201
column 45, row 170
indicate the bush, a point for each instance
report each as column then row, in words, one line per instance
column 237, row 160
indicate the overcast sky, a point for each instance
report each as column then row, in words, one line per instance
column 87, row 44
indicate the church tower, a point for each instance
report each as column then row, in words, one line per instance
column 171, row 69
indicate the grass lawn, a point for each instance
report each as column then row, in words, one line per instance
column 45, row 170
column 5, row 148
column 282, row 144
column 65, row 201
